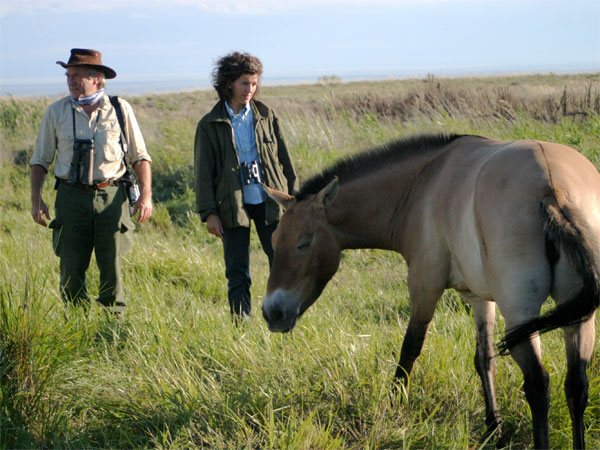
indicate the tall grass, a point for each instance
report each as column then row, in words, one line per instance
column 177, row 373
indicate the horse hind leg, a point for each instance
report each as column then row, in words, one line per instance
column 528, row 356
column 579, row 343
column 484, row 313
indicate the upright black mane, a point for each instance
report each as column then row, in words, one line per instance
column 368, row 161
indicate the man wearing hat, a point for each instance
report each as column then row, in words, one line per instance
column 92, row 154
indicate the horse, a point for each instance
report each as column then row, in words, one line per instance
column 505, row 224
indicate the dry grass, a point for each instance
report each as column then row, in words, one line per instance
column 177, row 374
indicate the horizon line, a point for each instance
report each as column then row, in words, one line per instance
column 135, row 86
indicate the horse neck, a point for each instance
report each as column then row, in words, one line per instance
column 372, row 211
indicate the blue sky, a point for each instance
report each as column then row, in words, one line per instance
column 297, row 40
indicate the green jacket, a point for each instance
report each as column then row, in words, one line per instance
column 217, row 166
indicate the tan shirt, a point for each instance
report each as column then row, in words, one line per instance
column 55, row 138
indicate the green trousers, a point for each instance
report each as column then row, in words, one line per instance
column 89, row 220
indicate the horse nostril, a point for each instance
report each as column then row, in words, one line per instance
column 275, row 314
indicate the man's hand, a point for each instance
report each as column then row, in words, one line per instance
column 214, row 226
column 144, row 203
column 145, row 207
column 39, row 210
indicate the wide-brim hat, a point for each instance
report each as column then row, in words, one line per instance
column 88, row 58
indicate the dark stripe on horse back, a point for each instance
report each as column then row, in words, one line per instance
column 363, row 163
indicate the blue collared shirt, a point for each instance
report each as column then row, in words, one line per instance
column 245, row 143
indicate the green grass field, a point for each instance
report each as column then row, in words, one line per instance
column 176, row 373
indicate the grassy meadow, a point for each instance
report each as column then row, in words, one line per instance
column 176, row 373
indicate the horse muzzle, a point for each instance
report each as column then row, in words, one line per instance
column 281, row 310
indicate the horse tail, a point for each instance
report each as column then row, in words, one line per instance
column 564, row 238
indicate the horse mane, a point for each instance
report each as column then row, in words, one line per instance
column 362, row 163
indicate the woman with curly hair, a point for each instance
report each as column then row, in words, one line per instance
column 238, row 147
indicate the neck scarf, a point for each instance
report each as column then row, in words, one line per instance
column 90, row 99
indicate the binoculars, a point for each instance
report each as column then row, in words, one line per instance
column 82, row 164
column 251, row 172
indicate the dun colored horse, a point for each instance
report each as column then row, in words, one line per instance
column 503, row 223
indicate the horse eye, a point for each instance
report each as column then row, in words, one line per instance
column 304, row 243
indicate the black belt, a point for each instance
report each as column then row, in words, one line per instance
column 90, row 187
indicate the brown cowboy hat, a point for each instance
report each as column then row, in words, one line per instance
column 90, row 58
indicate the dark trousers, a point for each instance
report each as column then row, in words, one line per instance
column 236, row 249
column 89, row 221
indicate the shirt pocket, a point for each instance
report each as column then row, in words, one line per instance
column 107, row 138
column 64, row 137
column 65, row 132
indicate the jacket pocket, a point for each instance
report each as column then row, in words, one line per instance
column 225, row 209
column 269, row 145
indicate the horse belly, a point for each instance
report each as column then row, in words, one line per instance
column 467, row 273
column 453, row 212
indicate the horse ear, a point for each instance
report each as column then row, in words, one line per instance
column 328, row 194
column 284, row 200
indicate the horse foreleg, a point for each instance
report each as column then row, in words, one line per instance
column 528, row 356
column 411, row 349
column 422, row 305
column 579, row 343
column 484, row 313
